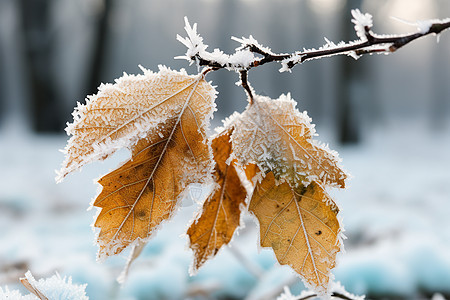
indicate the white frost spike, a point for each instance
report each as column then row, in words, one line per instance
column 361, row 21
column 194, row 42
column 240, row 60
column 245, row 42
column 423, row 26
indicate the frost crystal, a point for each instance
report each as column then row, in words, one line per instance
column 194, row 42
column 122, row 113
column 276, row 137
column 14, row 295
column 361, row 21
column 56, row 287
column 425, row 25
column 251, row 41
column 196, row 49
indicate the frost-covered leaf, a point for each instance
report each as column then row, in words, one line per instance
column 174, row 152
column 276, row 137
column 301, row 226
column 54, row 287
column 133, row 107
column 221, row 212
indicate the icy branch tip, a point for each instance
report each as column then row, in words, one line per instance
column 362, row 19
column 423, row 26
column 193, row 42
column 363, row 23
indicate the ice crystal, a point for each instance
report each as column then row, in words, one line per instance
column 122, row 113
column 274, row 135
column 362, row 23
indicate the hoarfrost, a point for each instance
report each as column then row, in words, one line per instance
column 251, row 41
column 55, row 287
column 335, row 287
column 134, row 107
column 196, row 49
column 193, row 42
column 423, row 26
column 276, row 137
column 362, row 23
column 15, row 295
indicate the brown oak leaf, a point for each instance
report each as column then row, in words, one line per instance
column 276, row 137
column 163, row 119
column 221, row 211
column 132, row 108
column 301, row 227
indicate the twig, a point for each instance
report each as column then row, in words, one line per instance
column 244, row 58
column 246, row 85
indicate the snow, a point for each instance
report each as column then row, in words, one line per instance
column 54, row 287
column 438, row 296
column 15, row 295
column 395, row 213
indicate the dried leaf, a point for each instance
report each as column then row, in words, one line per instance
column 300, row 225
column 145, row 190
column 276, row 137
column 222, row 209
column 132, row 108
column 31, row 286
column 251, row 171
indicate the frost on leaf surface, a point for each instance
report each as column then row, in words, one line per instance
column 221, row 212
column 163, row 118
column 133, row 107
column 300, row 224
column 276, row 137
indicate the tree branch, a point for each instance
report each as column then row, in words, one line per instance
column 251, row 54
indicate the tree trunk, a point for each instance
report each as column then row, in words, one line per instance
column 38, row 50
column 99, row 48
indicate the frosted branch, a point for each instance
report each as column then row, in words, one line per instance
column 251, row 54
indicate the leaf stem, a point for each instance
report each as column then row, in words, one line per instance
column 244, row 82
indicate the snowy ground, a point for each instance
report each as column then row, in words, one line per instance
column 396, row 214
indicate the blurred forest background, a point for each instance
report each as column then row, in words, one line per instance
column 54, row 53
column 388, row 116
